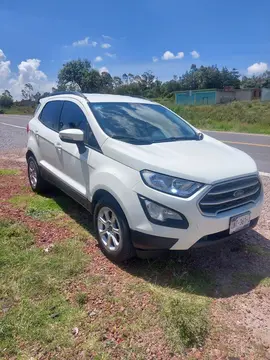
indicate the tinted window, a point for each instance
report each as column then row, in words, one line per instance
column 145, row 122
column 72, row 117
column 51, row 113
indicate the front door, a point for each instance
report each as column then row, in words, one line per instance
column 76, row 158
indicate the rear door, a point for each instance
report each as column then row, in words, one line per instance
column 76, row 158
column 47, row 136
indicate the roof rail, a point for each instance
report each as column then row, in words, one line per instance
column 77, row 93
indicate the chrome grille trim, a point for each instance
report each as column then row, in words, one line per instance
column 223, row 196
column 256, row 182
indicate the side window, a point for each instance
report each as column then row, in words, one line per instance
column 51, row 113
column 72, row 117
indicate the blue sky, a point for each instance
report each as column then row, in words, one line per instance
column 232, row 33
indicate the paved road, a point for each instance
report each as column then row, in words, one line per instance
column 13, row 135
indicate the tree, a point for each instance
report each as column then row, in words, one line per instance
column 75, row 72
column 6, row 100
column 257, row 81
column 27, row 92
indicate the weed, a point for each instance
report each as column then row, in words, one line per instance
column 8, row 172
column 81, row 298
column 32, row 282
column 244, row 116
column 40, row 207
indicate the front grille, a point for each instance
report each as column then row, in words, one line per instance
column 230, row 194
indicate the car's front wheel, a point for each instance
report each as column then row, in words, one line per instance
column 112, row 230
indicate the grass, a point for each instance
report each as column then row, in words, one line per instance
column 265, row 282
column 257, row 250
column 40, row 207
column 18, row 110
column 36, row 312
column 185, row 308
column 239, row 116
column 8, row 172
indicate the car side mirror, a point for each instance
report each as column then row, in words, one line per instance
column 72, row 135
column 200, row 136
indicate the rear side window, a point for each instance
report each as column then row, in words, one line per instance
column 72, row 117
column 51, row 113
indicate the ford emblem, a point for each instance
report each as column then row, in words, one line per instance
column 238, row 193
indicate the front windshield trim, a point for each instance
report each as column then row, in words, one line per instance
column 147, row 122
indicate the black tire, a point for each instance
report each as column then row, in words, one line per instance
column 125, row 249
column 41, row 185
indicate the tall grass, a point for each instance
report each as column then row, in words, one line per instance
column 244, row 116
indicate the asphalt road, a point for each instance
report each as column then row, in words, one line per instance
column 13, row 136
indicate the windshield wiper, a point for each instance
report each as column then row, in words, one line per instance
column 176, row 138
column 131, row 140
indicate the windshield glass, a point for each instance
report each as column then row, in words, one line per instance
column 146, row 123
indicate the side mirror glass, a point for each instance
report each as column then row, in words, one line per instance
column 72, row 135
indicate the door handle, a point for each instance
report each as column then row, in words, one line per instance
column 36, row 132
column 58, row 146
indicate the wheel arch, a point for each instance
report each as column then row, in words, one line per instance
column 102, row 193
column 30, row 153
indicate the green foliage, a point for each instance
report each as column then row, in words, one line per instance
column 40, row 207
column 6, row 100
column 240, row 116
column 81, row 298
column 28, row 92
column 35, row 309
column 257, row 81
column 8, row 172
column 186, row 318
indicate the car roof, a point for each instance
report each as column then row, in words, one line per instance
column 96, row 97
column 115, row 98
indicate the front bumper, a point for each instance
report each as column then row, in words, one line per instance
column 146, row 242
column 202, row 229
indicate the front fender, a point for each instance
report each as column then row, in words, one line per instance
column 117, row 179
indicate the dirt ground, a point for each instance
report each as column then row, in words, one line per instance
column 240, row 295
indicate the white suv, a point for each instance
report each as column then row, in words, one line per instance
column 152, row 181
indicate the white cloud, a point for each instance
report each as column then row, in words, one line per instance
column 155, row 59
column 106, row 37
column 195, row 54
column 257, row 68
column 106, row 46
column 2, row 55
column 28, row 72
column 168, row 55
column 103, row 69
column 98, row 59
column 4, row 70
column 84, row 42
column 110, row 55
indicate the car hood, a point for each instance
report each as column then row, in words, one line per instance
column 206, row 161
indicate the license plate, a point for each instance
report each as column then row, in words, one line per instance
column 239, row 222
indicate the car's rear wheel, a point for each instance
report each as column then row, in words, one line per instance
column 37, row 183
column 112, row 230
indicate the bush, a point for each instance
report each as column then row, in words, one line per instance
column 6, row 101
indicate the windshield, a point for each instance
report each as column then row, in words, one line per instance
column 145, row 123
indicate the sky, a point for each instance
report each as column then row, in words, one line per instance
column 123, row 36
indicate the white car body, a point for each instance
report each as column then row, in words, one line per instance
column 116, row 168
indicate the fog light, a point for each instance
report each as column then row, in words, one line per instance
column 161, row 215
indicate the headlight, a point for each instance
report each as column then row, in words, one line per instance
column 170, row 185
column 161, row 215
